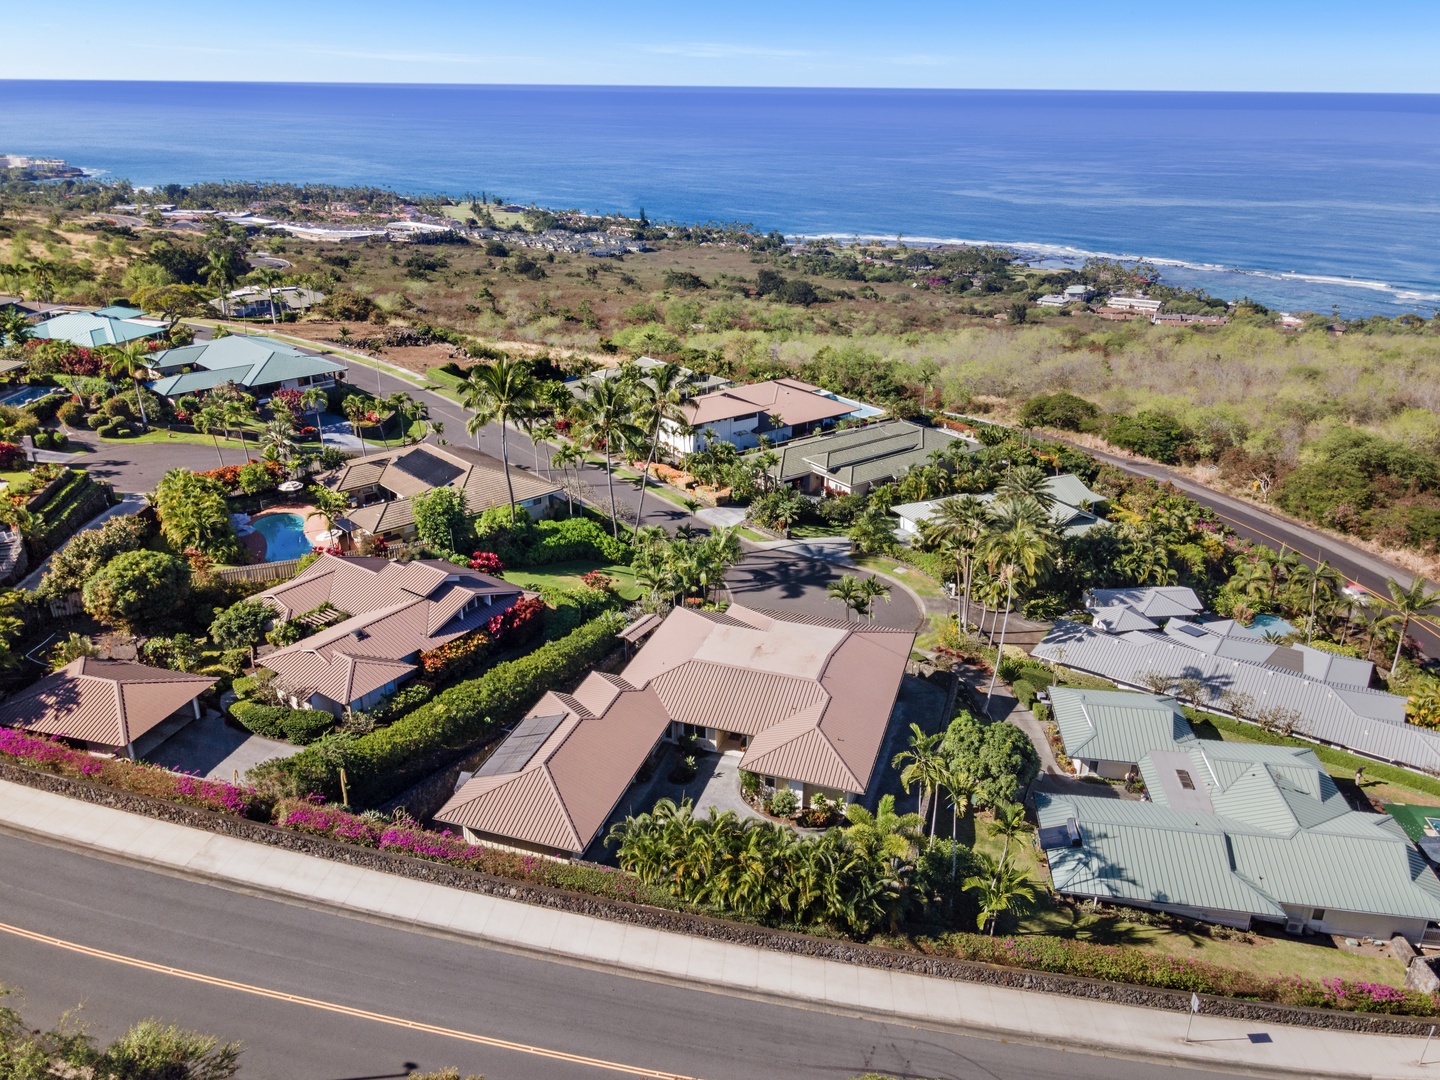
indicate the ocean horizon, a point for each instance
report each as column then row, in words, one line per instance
column 1300, row 201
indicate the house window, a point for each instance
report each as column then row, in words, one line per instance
column 697, row 731
column 1318, row 915
column 1185, row 781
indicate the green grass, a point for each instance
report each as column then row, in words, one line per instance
column 15, row 477
column 815, row 532
column 928, row 639
column 751, row 534
column 567, row 575
column 921, row 582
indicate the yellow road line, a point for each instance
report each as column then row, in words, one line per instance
column 343, row 1010
column 1434, row 627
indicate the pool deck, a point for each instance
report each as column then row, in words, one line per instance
column 314, row 526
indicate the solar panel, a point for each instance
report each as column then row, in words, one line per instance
column 427, row 468
column 520, row 745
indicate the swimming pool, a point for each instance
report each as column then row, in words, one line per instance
column 1269, row 624
column 27, row 395
column 284, row 536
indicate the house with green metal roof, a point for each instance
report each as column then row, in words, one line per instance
column 1238, row 833
column 1107, row 732
column 259, row 365
column 91, row 329
column 853, row 460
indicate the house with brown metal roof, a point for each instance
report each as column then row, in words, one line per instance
column 807, row 700
column 106, row 705
column 778, row 409
column 375, row 618
column 383, row 486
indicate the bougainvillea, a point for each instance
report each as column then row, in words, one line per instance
column 517, row 622
column 487, row 562
column 443, row 659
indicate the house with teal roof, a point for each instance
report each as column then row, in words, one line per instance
column 259, row 365
column 1230, row 833
column 91, row 329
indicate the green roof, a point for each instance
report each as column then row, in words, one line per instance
column 89, row 329
column 249, row 361
column 1116, row 725
column 858, row 456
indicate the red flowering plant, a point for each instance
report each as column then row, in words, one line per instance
column 518, row 621
column 443, row 660
column 487, row 562
column 599, row 581
column 10, row 454
column 288, row 401
column 327, row 549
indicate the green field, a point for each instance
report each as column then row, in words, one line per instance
column 567, row 575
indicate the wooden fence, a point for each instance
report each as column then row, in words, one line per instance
column 265, row 571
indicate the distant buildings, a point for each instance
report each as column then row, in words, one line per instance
column 252, row 302
column 1121, row 302
column 808, row 702
column 856, row 459
column 1231, row 833
column 103, row 326
column 1073, row 294
column 258, row 365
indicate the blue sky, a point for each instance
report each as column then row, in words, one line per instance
column 1379, row 46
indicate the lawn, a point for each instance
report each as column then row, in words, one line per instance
column 164, row 435
column 929, row 638
column 567, row 575
column 919, row 581
column 815, row 532
column 1311, row 958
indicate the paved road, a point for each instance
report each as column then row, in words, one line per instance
column 795, row 579
column 1255, row 524
column 355, row 965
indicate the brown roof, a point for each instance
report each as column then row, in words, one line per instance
column 109, row 702
column 414, row 470
column 395, row 611
column 814, row 694
column 793, row 401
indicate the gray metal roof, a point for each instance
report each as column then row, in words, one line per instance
column 1067, row 516
column 1116, row 725
column 1369, row 722
column 863, row 455
column 1154, row 602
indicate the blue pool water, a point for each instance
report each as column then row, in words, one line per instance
column 284, row 536
column 1269, row 624
column 27, row 395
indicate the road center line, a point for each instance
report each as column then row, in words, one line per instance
column 343, row 1010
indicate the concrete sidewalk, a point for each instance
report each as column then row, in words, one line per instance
column 822, row 984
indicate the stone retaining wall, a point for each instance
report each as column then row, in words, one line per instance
column 702, row 926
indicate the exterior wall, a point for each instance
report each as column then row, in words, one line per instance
column 808, row 792
column 1240, row 920
column 1356, row 924
column 509, row 844
column 705, row 738
column 1110, row 770
column 743, row 433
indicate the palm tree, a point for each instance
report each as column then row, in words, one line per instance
column 1316, row 589
column 221, row 276
column 1018, row 552
column 872, row 588
column 883, row 835
column 1011, row 824
column 1025, row 482
column 567, row 455
column 328, row 503
column 314, row 399
column 1002, row 887
column 399, row 403
column 356, row 410
column 15, row 328
column 210, row 420
column 960, row 784
column 267, row 279
column 1407, row 604
column 606, row 420
column 501, row 393
column 239, row 411
column 278, row 439
column 848, row 591
column 131, row 362
column 959, row 526
column 660, row 395
column 922, row 765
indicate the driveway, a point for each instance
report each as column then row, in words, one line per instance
column 212, row 748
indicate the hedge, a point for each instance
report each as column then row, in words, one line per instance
column 387, row 761
column 299, row 726
column 1328, row 755
column 566, row 609
column 541, row 543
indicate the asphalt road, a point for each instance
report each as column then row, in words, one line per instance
column 1255, row 524
column 540, row 1009
column 796, row 581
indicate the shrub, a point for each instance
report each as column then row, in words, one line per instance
column 457, row 657
column 487, row 562
column 71, row 414
column 1155, row 435
column 1024, row 692
column 241, row 625
column 80, row 559
column 248, row 686
column 255, row 478
column 517, row 623
column 1062, row 410
column 389, row 760
column 403, row 701
column 784, row 803
column 298, row 726
column 285, row 632
column 565, row 609
column 138, row 588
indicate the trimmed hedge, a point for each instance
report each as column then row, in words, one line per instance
column 387, row 761
column 566, row 609
column 541, row 543
column 299, row 726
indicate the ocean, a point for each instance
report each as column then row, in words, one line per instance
column 1301, row 201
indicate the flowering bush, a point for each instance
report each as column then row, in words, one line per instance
column 288, row 401
column 56, row 757
column 517, row 622
column 10, row 455
column 596, row 580
column 307, row 816
column 326, row 549
column 229, row 475
column 444, row 659
column 487, row 562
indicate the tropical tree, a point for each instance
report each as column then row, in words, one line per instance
column 220, row 272
column 239, row 411
column 328, row 504
column 193, row 512
column 606, row 421
column 922, row 764
column 848, row 591
column 138, row 589
column 1407, row 604
column 1315, row 590
column 1001, row 887
column 267, row 278
column 315, row 399
column 357, row 411
column 658, row 398
column 1017, row 553
column 958, row 781
column 884, row 835
column 500, row 393
column 1022, row 482
column 15, row 328
column 210, row 420
column 1010, row 823
column 871, row 589
column 277, row 441
column 959, row 527
column 570, row 454
column 132, row 362
column 400, row 405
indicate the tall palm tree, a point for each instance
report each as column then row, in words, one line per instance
column 1025, row 482
column 871, row 589
column 328, row 503
column 502, row 393
column 606, row 420
column 1316, row 590
column 959, row 526
column 315, row 399
column 355, row 411
column 960, row 784
column 267, row 279
column 210, row 420
column 239, row 412
column 660, row 395
column 1011, row 824
column 131, row 362
column 1002, row 887
column 922, row 764
column 399, row 403
column 1018, row 553
column 848, row 591
column 1407, row 604
column 221, row 276
column 567, row 455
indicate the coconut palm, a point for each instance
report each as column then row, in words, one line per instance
column 958, row 781
column 131, row 362
column 1015, row 554
column 315, row 399
column 267, row 279
column 238, row 412
column 922, row 764
column 848, row 591
column 210, row 420
column 1011, row 824
column 328, row 504
column 1001, row 887
column 356, row 410
column 658, row 398
column 1025, row 482
column 606, row 420
column 1407, row 603
column 1315, row 590
column 399, row 403
column 959, row 527
column 565, row 456
column 501, row 393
